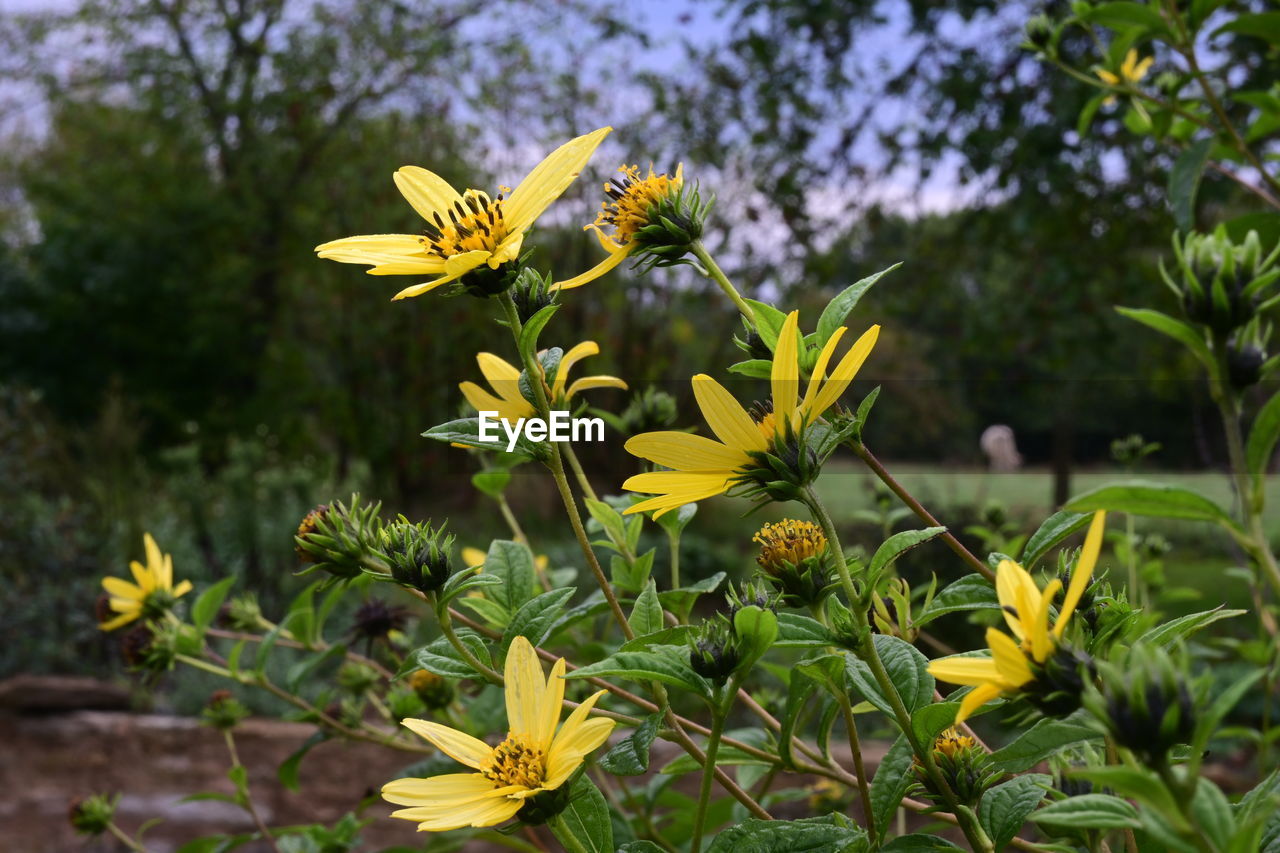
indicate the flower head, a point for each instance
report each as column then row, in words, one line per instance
column 644, row 212
column 504, row 378
column 1132, row 70
column 1016, row 663
column 964, row 765
column 533, row 758
column 151, row 593
column 792, row 556
column 703, row 467
column 464, row 231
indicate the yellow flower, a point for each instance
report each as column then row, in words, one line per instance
column 627, row 213
column 463, row 231
column 1131, row 72
column 703, row 467
column 153, row 588
column 788, row 541
column 533, row 758
column 1026, row 610
column 504, row 379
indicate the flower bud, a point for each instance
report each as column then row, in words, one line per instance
column 1144, row 702
column 358, row 678
column 1223, row 281
column 964, row 766
column 531, row 292
column 223, row 711
column 376, row 619
column 435, row 691
column 342, row 541
column 242, row 613
column 93, row 815
column 749, row 595
column 648, row 410
column 418, row 555
column 713, row 652
column 793, row 557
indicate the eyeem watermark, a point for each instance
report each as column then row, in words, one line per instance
column 560, row 427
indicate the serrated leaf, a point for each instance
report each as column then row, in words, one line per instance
column 441, row 658
column 798, row 630
column 1175, row 629
column 1042, row 740
column 535, row 618
column 466, row 431
column 646, row 666
column 511, row 563
column 908, row 670
column 1005, row 808
column 646, row 615
column 833, row 316
column 831, row 834
column 898, row 544
column 893, row 777
column 585, row 820
column 630, row 756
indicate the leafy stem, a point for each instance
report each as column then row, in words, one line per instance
column 713, row 272
column 719, row 713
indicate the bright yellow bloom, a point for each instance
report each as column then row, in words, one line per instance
column 1131, row 72
column 504, row 379
column 788, row 541
column 704, row 468
column 464, row 231
column 533, row 758
column 153, row 585
column 632, row 196
column 1026, row 610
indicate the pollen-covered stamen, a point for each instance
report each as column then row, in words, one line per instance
column 474, row 223
column 761, row 412
column 632, row 197
column 514, row 762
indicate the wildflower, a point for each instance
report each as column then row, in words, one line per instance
column 533, row 759
column 152, row 593
column 310, row 524
column 1015, row 664
column 467, row 231
column 963, row 764
column 703, row 467
column 649, row 212
column 792, row 555
column 506, row 380
column 343, row 541
column 1131, row 72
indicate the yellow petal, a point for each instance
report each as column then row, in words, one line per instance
column 1013, row 584
column 1041, row 643
column 473, row 557
column 784, row 377
column 726, row 417
column 552, row 702
column 486, row 812
column 844, row 372
column 1082, row 574
column 501, row 376
column 425, row 287
column 1107, row 77
column 958, row 670
column 508, row 250
column 457, row 745
column 1141, row 69
column 820, row 372
column 483, row 401
column 588, row 736
column 426, row 191
column 1009, row 659
column 975, row 699
column 142, row 576
column 588, row 383
column 443, row 791
column 388, row 244
column 567, row 361
column 685, row 452
column 676, row 482
column 662, row 505
column 615, row 258
column 549, row 179
column 122, row 619
column 524, row 690
column 464, row 262
column 122, row 588
column 182, row 589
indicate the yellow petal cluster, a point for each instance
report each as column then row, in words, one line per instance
column 703, row 467
column 463, row 230
column 1132, row 70
column 129, row 599
column 1026, row 611
column 504, row 378
column 538, row 753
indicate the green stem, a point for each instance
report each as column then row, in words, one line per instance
column 247, row 805
column 968, row 822
column 446, row 628
column 717, row 275
column 718, row 717
column 1257, row 542
column 1134, row 589
column 855, row 746
column 510, row 518
column 923, row 514
column 673, row 543
column 579, row 474
column 125, row 839
column 566, row 837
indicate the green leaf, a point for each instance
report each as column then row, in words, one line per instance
column 646, row 615
column 1176, row 329
column 797, row 630
column 898, row 544
column 1055, row 529
column 1140, row 784
column 492, row 482
column 1266, row 224
column 838, row 309
column 535, row 618
column 830, row 834
column 680, row 601
column 207, row 605
column 288, row 771
column 585, row 820
column 756, row 368
column 1088, row 111
column 800, row 690
column 971, row 592
column 1089, row 811
column 1042, row 740
column 646, row 666
column 757, row 629
column 1262, row 25
column 928, row 722
column 512, row 563
column 1175, row 629
column 1005, row 808
column 916, row 843
column 893, row 778
column 1223, row 702
column 533, row 328
column 908, row 670
column 769, row 322
column 675, row 522
column 1153, row 499
column 443, row 659
column 1184, row 181
column 1263, row 436
column 466, row 431
column 630, row 756
column 1126, row 15
column 1212, row 814
column 631, row 576
column 609, row 518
